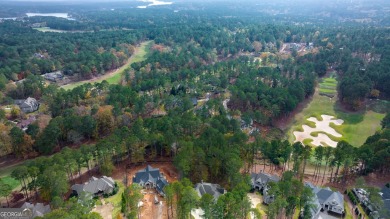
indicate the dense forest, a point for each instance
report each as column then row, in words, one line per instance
column 207, row 76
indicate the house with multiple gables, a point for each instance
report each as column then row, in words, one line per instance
column 54, row 76
column 260, row 181
column 28, row 105
column 95, row 186
column 212, row 189
column 203, row 188
column 151, row 178
column 37, row 210
column 329, row 201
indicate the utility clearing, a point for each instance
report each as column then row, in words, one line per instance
column 319, row 134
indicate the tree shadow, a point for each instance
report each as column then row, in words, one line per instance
column 349, row 117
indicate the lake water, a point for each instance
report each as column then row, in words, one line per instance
column 153, row 3
column 59, row 15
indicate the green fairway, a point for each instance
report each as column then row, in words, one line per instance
column 328, row 86
column 48, row 29
column 139, row 55
column 357, row 126
column 5, row 175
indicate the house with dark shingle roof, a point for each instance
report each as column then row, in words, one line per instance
column 260, row 181
column 38, row 209
column 329, row 200
column 212, row 189
column 95, row 186
column 151, row 178
column 385, row 193
column 28, row 105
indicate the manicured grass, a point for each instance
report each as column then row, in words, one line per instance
column 5, row 175
column 328, row 86
column 333, row 138
column 362, row 211
column 48, row 29
column 348, row 212
column 116, row 199
column 356, row 127
column 138, row 56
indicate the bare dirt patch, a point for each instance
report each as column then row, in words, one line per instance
column 104, row 210
column 150, row 209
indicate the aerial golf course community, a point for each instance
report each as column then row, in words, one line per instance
column 155, row 109
column 324, row 122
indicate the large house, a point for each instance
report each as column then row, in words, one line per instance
column 151, row 178
column 95, row 186
column 37, row 210
column 329, row 200
column 54, row 76
column 260, row 181
column 28, row 105
column 212, row 189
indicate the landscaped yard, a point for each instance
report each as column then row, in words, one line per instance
column 139, row 55
column 356, row 127
column 348, row 212
column 116, row 199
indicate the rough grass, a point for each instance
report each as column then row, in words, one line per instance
column 356, row 127
column 139, row 56
column 116, row 199
column 262, row 208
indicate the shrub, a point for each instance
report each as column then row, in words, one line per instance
column 352, row 197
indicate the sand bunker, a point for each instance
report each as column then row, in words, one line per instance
column 321, row 126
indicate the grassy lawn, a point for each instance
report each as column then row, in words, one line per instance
column 362, row 211
column 348, row 211
column 138, row 56
column 328, row 86
column 5, row 175
column 356, row 127
column 262, row 208
column 116, row 199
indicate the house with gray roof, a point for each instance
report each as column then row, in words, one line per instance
column 329, row 200
column 37, row 210
column 385, row 193
column 151, row 178
column 212, row 189
column 28, row 105
column 260, row 180
column 54, row 76
column 95, row 186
